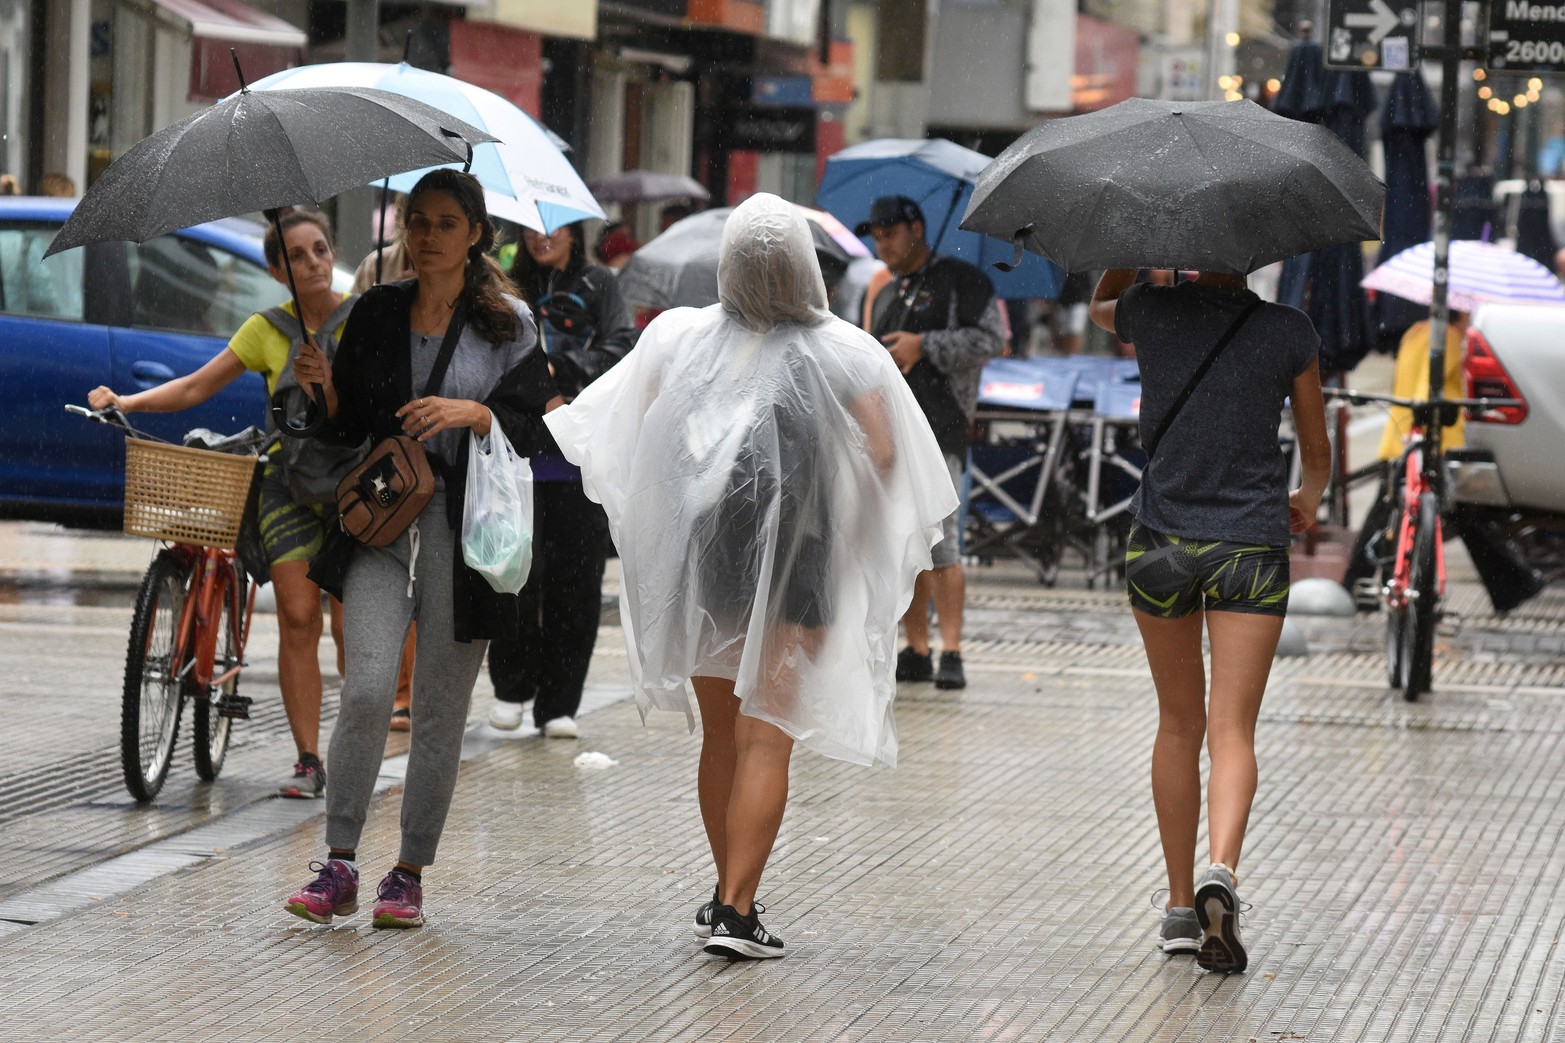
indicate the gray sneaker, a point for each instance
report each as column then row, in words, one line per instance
column 1217, row 908
column 308, row 781
column 1179, row 931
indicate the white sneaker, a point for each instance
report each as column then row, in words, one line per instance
column 561, row 728
column 506, row 716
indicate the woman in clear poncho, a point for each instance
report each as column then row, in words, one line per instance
column 773, row 489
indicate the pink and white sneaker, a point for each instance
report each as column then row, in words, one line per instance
column 333, row 892
column 399, row 901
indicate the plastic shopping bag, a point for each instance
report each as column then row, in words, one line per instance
column 497, row 520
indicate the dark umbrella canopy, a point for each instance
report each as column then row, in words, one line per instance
column 642, row 186
column 1305, row 84
column 678, row 269
column 1407, row 118
column 261, row 150
column 1212, row 186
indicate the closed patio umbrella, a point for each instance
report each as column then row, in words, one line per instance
column 1407, row 119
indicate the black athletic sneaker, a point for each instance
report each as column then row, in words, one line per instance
column 704, row 917
column 914, row 666
column 741, row 937
column 950, row 674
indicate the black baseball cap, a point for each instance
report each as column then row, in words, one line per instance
column 889, row 210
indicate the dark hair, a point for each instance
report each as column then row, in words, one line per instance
column 272, row 244
column 524, row 270
column 485, row 284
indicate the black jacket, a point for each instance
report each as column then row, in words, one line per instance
column 611, row 333
column 373, row 375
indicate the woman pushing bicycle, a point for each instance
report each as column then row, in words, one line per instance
column 1213, row 521
column 457, row 331
column 292, row 531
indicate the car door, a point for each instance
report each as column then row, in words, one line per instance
column 188, row 294
column 51, row 354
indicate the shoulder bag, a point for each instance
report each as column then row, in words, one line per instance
column 1195, row 378
column 378, row 500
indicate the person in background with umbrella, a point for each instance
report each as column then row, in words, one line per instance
column 291, row 532
column 585, row 328
column 496, row 376
column 773, row 491
column 1213, row 520
column 939, row 319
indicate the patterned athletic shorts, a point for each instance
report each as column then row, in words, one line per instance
column 1168, row 576
column 289, row 531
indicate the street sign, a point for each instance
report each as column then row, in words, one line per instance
column 1526, row 37
column 1371, row 34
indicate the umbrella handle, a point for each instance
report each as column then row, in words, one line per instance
column 1016, row 241
column 314, row 414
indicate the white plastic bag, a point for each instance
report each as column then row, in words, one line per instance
column 497, row 519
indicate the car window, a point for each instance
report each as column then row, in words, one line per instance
column 178, row 283
column 30, row 285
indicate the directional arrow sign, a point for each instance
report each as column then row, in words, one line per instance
column 1371, row 34
column 1380, row 20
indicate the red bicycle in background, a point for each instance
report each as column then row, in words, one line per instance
column 1410, row 549
column 192, row 616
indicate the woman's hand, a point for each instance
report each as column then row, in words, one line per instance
column 101, row 397
column 1303, row 509
column 423, row 418
column 312, row 367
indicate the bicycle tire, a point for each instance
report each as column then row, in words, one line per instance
column 1418, row 646
column 210, row 731
column 1396, row 616
column 151, row 701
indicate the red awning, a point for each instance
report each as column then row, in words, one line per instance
column 264, row 43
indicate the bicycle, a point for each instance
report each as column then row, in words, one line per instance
column 189, row 628
column 1413, row 571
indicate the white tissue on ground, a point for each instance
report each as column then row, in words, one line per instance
column 593, row 759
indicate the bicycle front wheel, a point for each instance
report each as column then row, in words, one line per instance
column 210, row 730
column 1418, row 632
column 150, row 706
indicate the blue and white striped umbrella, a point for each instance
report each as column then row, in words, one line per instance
column 1479, row 272
column 526, row 177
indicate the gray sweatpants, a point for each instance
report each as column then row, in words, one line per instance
column 376, row 611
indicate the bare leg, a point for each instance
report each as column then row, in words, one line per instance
column 915, row 621
column 715, row 779
column 751, row 812
column 336, row 636
column 298, row 651
column 1243, row 645
column 1173, row 649
column 950, row 586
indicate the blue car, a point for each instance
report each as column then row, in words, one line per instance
column 119, row 314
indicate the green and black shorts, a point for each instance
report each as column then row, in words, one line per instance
column 289, row 531
column 1171, row 576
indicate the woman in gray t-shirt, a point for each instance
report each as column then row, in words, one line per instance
column 1213, row 520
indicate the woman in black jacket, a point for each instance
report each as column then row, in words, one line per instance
column 585, row 329
column 495, row 376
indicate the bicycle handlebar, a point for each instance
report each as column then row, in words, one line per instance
column 249, row 439
column 1361, row 398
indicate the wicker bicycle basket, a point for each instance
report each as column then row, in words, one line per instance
column 185, row 495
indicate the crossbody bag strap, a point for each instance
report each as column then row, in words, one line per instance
column 437, row 373
column 1195, row 378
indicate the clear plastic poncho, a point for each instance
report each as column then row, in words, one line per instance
column 773, row 489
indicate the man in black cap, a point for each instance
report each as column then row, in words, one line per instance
column 939, row 318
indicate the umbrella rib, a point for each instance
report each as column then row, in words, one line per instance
column 293, row 155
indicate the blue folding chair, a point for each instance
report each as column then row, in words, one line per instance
column 1014, row 508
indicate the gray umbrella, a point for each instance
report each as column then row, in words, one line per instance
column 1211, row 186
column 641, row 186
column 678, row 269
column 259, row 150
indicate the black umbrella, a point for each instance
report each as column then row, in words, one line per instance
column 1324, row 283
column 1305, row 85
column 1407, row 118
column 678, row 269
column 260, row 151
column 1213, row 186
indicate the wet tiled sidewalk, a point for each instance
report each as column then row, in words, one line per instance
column 1403, row 868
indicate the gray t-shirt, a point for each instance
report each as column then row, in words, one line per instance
column 1219, row 473
column 475, row 370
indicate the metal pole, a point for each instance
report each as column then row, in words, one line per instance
column 1445, row 164
column 355, row 209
